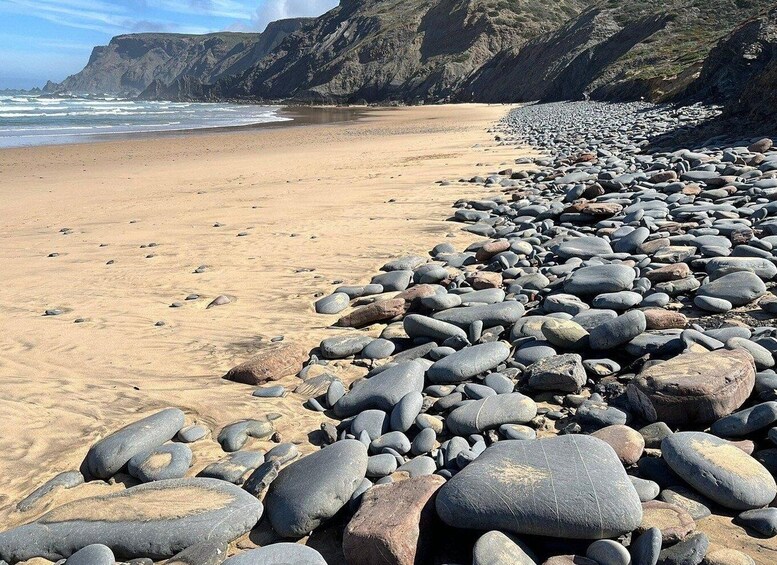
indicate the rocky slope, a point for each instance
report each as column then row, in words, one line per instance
column 130, row 63
column 742, row 69
column 383, row 50
column 614, row 50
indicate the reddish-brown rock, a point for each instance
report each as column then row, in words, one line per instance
column 491, row 248
column 627, row 442
column 693, row 388
column 485, row 279
column 673, row 272
column 271, row 363
column 674, row 522
column 394, row 523
column 380, row 311
column 660, row 319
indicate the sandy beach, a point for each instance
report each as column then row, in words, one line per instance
column 316, row 204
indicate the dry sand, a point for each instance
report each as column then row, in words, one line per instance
column 319, row 204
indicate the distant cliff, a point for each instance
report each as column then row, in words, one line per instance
column 130, row 63
column 426, row 51
column 406, row 50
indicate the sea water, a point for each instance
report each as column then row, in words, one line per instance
column 39, row 120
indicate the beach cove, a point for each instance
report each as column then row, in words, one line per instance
column 111, row 235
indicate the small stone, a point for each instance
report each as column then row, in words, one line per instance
column 234, row 467
column 762, row 520
column 646, row 548
column 563, row 373
column 627, row 442
column 219, row 301
column 608, row 552
column 233, row 437
column 332, row 304
column 279, row 554
column 95, row 554
column 690, row 551
column 497, row 548
column 273, row 362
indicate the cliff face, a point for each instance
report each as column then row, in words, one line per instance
column 382, row 50
column 130, row 63
column 615, row 50
column 741, row 70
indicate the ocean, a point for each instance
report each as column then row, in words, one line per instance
column 42, row 120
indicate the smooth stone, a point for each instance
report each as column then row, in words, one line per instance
column 583, row 248
column 738, row 288
column 712, row 304
column 423, row 442
column 155, row 520
column 762, row 356
column 313, row 489
column 64, row 480
column 109, row 455
column 418, row 466
column 535, row 487
column 342, row 346
column 690, row 551
column 381, row 465
column 762, row 520
column 382, row 391
column 404, row 413
column 647, row 490
column 468, row 362
column 277, row 391
column 233, row 437
column 279, row 554
column 169, row 461
column 563, row 373
column 608, row 552
column 719, row 470
column 234, row 467
column 694, row 388
column 393, row 280
column 397, row 441
column 497, row 548
column 745, row 422
column 517, row 431
column 717, row 555
column 565, row 334
column 600, row 279
column 490, row 412
column 334, row 392
column 283, row 452
column 533, row 351
column 378, row 349
column 95, row 554
column 332, row 304
column 617, row 331
column 416, row 326
column 627, row 442
column 500, row 383
column 622, row 300
column 601, row 367
column 646, row 548
column 499, row 314
column 374, row 422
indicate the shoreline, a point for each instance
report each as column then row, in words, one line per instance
column 293, row 116
column 378, row 175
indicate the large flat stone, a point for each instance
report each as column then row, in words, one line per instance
column 382, row 391
column 468, row 362
column 570, row 486
column 154, row 520
column 693, row 388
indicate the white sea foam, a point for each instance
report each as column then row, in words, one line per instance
column 32, row 120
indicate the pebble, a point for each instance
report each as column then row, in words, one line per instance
column 233, row 437
column 497, row 548
column 608, row 552
column 95, row 554
column 234, row 467
column 491, row 412
column 468, row 362
column 278, row 554
column 762, row 520
column 382, row 391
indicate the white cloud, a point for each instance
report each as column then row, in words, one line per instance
column 272, row 10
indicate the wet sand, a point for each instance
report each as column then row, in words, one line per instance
column 318, row 204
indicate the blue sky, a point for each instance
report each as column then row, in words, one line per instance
column 51, row 39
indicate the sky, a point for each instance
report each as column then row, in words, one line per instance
column 44, row 40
